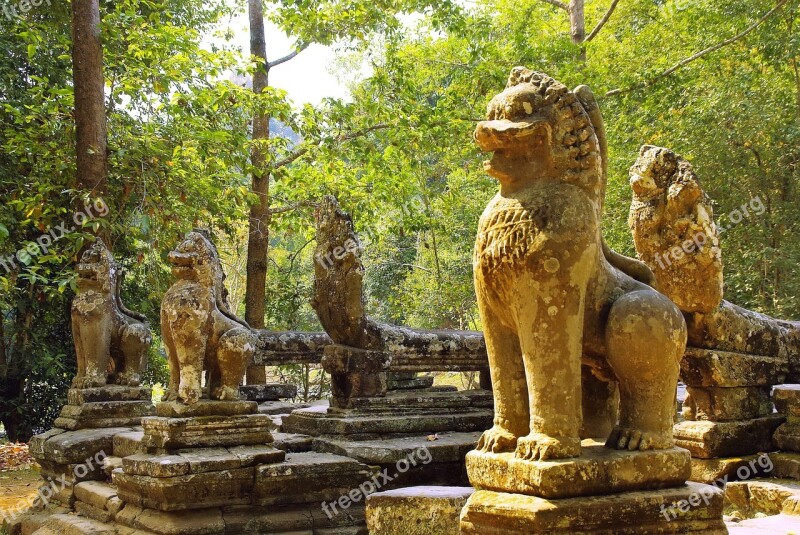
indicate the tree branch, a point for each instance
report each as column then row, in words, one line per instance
column 602, row 22
column 709, row 50
column 287, row 57
column 558, row 4
column 292, row 207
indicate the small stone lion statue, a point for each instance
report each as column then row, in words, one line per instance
column 111, row 342
column 673, row 228
column 551, row 295
column 200, row 332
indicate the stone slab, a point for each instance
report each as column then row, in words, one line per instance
column 200, row 460
column 268, row 392
column 79, row 396
column 75, row 424
column 418, row 402
column 95, row 493
column 597, row 471
column 109, row 410
column 785, row 465
column 706, row 440
column 280, row 407
column 308, row 477
column 75, row 525
column 71, row 473
column 410, row 383
column 446, row 447
column 719, row 471
column 92, row 512
column 764, row 496
column 75, row 447
column 205, row 407
column 787, row 436
column 293, row 443
column 303, row 518
column 641, row 512
column 417, row 510
column 727, row 404
column 787, row 400
column 316, row 421
column 197, row 522
column 207, row 431
column 183, row 492
column 708, row 368
column 129, row 443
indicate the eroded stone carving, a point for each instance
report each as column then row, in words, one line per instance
column 675, row 235
column 200, row 332
column 548, row 294
column 111, row 341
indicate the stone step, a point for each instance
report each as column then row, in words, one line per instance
column 280, row 407
column 787, row 400
column 762, row 496
column 419, row 401
column 74, row 447
column 292, row 442
column 129, row 443
column 417, row 510
column 70, row 524
column 316, row 421
column 444, row 448
column 99, row 494
column 309, row 477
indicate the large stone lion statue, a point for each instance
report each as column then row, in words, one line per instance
column 551, row 295
column 200, row 332
column 111, row 341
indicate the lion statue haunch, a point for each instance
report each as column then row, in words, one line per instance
column 551, row 295
column 199, row 330
column 672, row 222
column 111, row 342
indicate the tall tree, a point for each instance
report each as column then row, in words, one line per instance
column 90, row 114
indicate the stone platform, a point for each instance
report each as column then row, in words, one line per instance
column 694, row 508
column 423, row 510
column 106, row 406
column 597, row 471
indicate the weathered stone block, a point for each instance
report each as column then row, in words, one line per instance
column 417, row 510
column 199, row 460
column 707, row 368
column 206, row 407
column 598, row 470
column 409, row 382
column 720, row 471
column 92, row 512
column 207, row 431
column 75, row 525
column 706, row 439
column 448, row 447
column 316, row 421
column 95, row 493
column 197, row 522
column 79, row 396
column 268, row 392
column 129, row 443
column 785, row 465
column 72, row 473
column 308, row 477
column 787, row 436
column 787, row 400
column 74, row 447
column 727, row 404
column 190, row 491
column 760, row 496
column 654, row 511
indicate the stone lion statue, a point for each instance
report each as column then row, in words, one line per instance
column 551, row 295
column 111, row 342
column 200, row 332
column 673, row 228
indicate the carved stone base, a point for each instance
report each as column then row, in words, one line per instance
column 206, row 424
column 193, row 478
column 707, row 440
column 597, row 471
column 107, row 406
column 694, row 508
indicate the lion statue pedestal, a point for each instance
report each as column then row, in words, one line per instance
column 554, row 301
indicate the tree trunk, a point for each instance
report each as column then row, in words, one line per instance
column 258, row 236
column 577, row 22
column 90, row 115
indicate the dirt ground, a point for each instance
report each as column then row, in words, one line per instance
column 18, row 488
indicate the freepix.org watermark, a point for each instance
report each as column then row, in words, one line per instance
column 357, row 495
column 94, row 210
column 761, row 465
column 755, row 207
column 54, row 486
column 13, row 10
